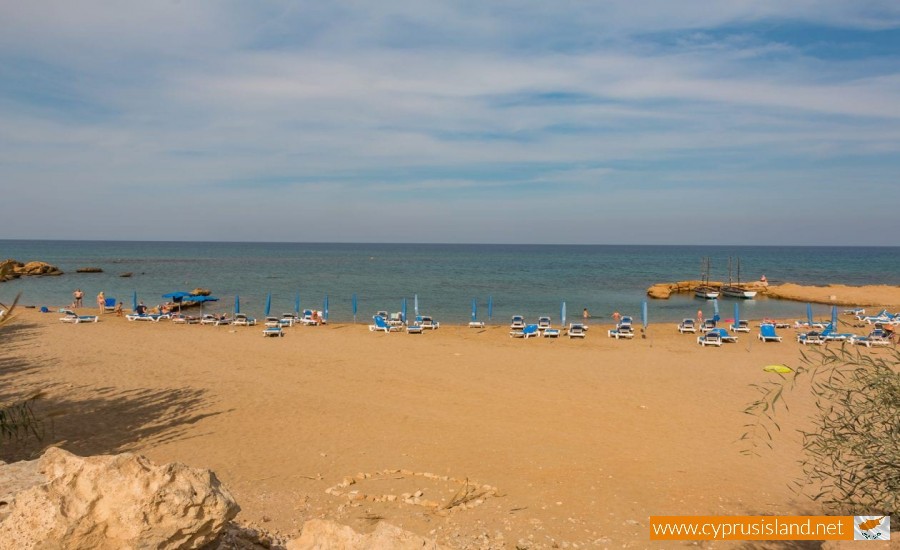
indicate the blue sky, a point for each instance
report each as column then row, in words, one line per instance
column 619, row 122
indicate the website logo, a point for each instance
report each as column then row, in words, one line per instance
column 871, row 527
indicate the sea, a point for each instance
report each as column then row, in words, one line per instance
column 443, row 279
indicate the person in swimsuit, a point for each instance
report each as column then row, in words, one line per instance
column 101, row 302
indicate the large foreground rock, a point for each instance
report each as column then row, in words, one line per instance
column 320, row 534
column 11, row 269
column 109, row 502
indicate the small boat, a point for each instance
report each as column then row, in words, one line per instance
column 736, row 290
column 705, row 291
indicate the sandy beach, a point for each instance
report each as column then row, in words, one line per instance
column 579, row 441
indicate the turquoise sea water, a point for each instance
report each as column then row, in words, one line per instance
column 530, row 280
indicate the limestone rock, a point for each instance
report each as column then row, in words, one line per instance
column 201, row 292
column 111, row 502
column 12, row 269
column 319, row 534
column 126, row 274
column 89, row 270
column 660, row 291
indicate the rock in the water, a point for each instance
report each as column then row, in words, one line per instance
column 89, row 270
column 11, row 269
column 126, row 274
column 111, row 502
column 321, row 534
column 201, row 292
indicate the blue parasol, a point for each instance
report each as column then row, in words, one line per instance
column 562, row 313
column 474, row 310
column 737, row 314
column 237, row 304
column 268, row 304
column 297, row 304
column 490, row 308
column 202, row 300
column 325, row 309
column 354, row 308
column 715, row 310
column 403, row 309
column 809, row 318
column 177, row 297
column 834, row 320
column 416, row 305
column 644, row 319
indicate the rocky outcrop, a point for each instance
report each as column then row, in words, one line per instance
column 109, row 502
column 319, row 534
column 126, row 274
column 89, row 270
column 201, row 292
column 12, row 269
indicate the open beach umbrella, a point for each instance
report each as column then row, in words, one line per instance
column 416, row 304
column 809, row 318
column 644, row 319
column 403, row 309
column 474, row 310
column 490, row 308
column 177, row 297
column 268, row 304
column 237, row 304
column 134, row 300
column 325, row 309
column 202, row 300
column 562, row 313
column 354, row 308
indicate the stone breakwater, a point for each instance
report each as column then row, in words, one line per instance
column 662, row 291
column 12, row 269
column 838, row 295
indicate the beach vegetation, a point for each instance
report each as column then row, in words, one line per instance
column 17, row 418
column 851, row 449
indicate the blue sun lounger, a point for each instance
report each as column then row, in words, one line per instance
column 273, row 331
column 527, row 332
column 724, row 335
column 383, row 326
column 767, row 333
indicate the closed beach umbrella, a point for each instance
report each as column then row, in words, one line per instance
column 237, row 304
column 809, row 318
column 416, row 304
column 644, row 320
column 737, row 314
column 490, row 308
column 403, row 309
column 833, row 317
column 715, row 309
column 474, row 310
column 325, row 308
column 354, row 308
column 268, row 304
column 297, row 304
column 562, row 313
column 134, row 300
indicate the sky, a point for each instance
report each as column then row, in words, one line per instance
column 570, row 122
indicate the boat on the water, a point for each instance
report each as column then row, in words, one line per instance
column 736, row 290
column 704, row 290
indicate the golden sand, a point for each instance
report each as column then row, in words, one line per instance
column 577, row 441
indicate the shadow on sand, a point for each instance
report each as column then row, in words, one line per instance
column 91, row 420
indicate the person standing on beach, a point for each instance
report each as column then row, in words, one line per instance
column 699, row 316
column 78, row 295
column 101, row 302
column 585, row 314
column 616, row 317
